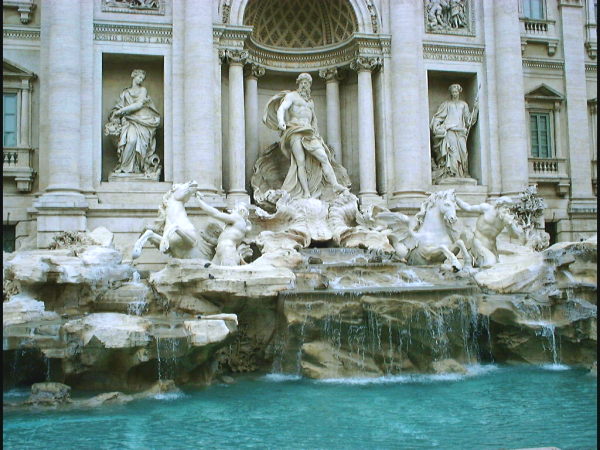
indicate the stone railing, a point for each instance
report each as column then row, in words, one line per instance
column 539, row 31
column 550, row 170
column 18, row 164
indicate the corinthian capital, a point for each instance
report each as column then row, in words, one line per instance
column 330, row 74
column 233, row 55
column 366, row 63
column 254, row 70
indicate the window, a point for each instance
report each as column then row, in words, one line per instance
column 534, row 9
column 552, row 229
column 9, row 122
column 8, row 238
column 541, row 145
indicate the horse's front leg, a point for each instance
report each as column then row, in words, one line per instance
column 455, row 263
column 148, row 235
column 467, row 258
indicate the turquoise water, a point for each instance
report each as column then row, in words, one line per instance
column 492, row 407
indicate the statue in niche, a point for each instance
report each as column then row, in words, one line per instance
column 311, row 171
column 450, row 128
column 493, row 218
column 132, row 123
column 230, row 250
column 444, row 15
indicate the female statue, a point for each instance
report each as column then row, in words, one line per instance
column 134, row 120
column 450, row 127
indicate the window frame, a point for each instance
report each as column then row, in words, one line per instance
column 18, row 98
column 525, row 3
column 550, row 133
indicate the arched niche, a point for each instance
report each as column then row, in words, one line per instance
column 368, row 18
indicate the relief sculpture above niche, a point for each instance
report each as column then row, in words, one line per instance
column 449, row 17
column 134, row 6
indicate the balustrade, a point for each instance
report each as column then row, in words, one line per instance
column 17, row 164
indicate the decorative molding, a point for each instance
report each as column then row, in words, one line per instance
column 366, row 64
column 543, row 64
column 338, row 55
column 373, row 14
column 231, row 36
column 155, row 7
column 453, row 53
column 21, row 33
column 592, row 49
column 455, row 17
column 24, row 7
column 143, row 34
column 575, row 3
column 225, row 11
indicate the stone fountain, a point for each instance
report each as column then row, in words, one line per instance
column 304, row 282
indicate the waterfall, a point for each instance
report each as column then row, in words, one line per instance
column 547, row 331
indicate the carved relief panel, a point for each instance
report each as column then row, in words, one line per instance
column 449, row 17
column 134, row 6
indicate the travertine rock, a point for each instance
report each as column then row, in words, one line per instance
column 113, row 330
column 22, row 308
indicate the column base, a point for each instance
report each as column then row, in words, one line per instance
column 407, row 200
column 237, row 197
column 57, row 212
column 370, row 199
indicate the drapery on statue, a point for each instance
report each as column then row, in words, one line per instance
column 293, row 113
column 133, row 122
column 493, row 218
column 450, row 127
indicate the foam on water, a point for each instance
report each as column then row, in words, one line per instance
column 555, row 367
column 169, row 396
column 280, row 377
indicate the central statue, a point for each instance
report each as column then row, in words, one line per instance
column 293, row 113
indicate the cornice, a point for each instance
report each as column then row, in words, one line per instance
column 21, row 33
column 543, row 64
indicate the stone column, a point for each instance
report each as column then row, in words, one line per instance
column 334, row 137
column 62, row 206
column 202, row 161
column 408, row 188
column 366, row 128
column 253, row 73
column 572, row 20
column 510, row 95
column 25, row 108
column 237, row 134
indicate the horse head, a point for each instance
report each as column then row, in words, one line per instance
column 182, row 192
column 447, row 205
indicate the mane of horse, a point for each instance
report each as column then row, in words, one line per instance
column 430, row 203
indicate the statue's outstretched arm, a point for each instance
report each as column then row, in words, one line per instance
column 470, row 208
column 214, row 212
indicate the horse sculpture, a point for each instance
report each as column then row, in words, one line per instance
column 434, row 238
column 173, row 233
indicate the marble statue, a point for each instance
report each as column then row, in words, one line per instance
column 293, row 114
column 445, row 14
column 450, row 128
column 493, row 218
column 173, row 233
column 230, row 250
column 133, row 122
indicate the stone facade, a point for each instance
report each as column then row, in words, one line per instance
column 380, row 70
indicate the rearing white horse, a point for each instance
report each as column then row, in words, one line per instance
column 173, row 233
column 435, row 237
